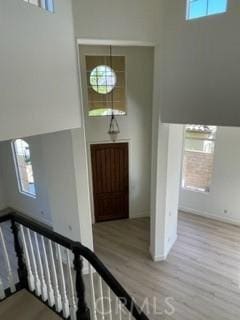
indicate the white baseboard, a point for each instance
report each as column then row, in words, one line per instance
column 165, row 255
column 156, row 258
column 159, row 258
column 211, row 216
column 170, row 245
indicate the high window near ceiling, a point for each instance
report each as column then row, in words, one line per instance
column 44, row 4
column 23, row 167
column 203, row 8
column 106, row 85
column 198, row 158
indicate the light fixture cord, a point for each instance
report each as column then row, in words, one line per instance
column 111, row 65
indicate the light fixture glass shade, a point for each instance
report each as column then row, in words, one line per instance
column 113, row 129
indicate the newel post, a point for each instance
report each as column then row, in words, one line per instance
column 22, row 270
column 83, row 312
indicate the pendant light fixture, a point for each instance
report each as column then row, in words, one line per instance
column 113, row 130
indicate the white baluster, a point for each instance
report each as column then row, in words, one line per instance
column 73, row 306
column 119, row 304
column 44, row 294
column 50, row 291
column 31, row 283
column 65, row 302
column 109, row 302
column 2, row 292
column 35, row 270
column 58, row 300
column 92, row 292
column 7, row 263
column 101, row 298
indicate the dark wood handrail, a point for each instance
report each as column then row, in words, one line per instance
column 90, row 256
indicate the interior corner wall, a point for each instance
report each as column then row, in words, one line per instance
column 69, row 204
column 167, row 142
column 38, row 69
column 159, row 141
column 222, row 202
column 158, row 192
column 60, row 170
column 82, row 186
column 37, row 208
column 174, row 167
column 200, row 66
column 135, row 127
column 164, row 218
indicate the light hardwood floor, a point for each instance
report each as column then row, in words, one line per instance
column 201, row 274
column 23, row 306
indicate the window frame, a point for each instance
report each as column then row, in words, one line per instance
column 17, row 170
column 189, row 188
column 188, row 11
column 47, row 5
column 85, row 77
column 95, row 87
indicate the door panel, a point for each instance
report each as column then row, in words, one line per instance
column 110, row 181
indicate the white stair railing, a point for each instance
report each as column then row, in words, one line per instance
column 43, row 284
column 10, row 277
column 31, row 282
column 52, row 267
column 72, row 298
column 50, row 292
column 34, row 264
column 92, row 292
column 2, row 292
column 65, row 302
column 58, row 299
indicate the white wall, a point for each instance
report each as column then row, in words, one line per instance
column 225, row 186
column 63, row 153
column 60, row 172
column 135, row 127
column 165, row 171
column 165, row 190
column 38, row 73
column 136, row 20
column 201, row 69
column 174, row 167
column 39, row 207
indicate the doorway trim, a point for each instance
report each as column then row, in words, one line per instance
column 119, row 43
column 159, row 139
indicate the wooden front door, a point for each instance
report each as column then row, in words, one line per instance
column 110, row 181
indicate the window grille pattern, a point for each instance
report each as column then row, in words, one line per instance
column 106, row 85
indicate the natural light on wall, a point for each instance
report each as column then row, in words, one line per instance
column 198, row 157
column 23, row 167
column 203, row 8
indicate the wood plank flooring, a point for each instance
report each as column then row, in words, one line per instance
column 200, row 279
column 24, row 306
